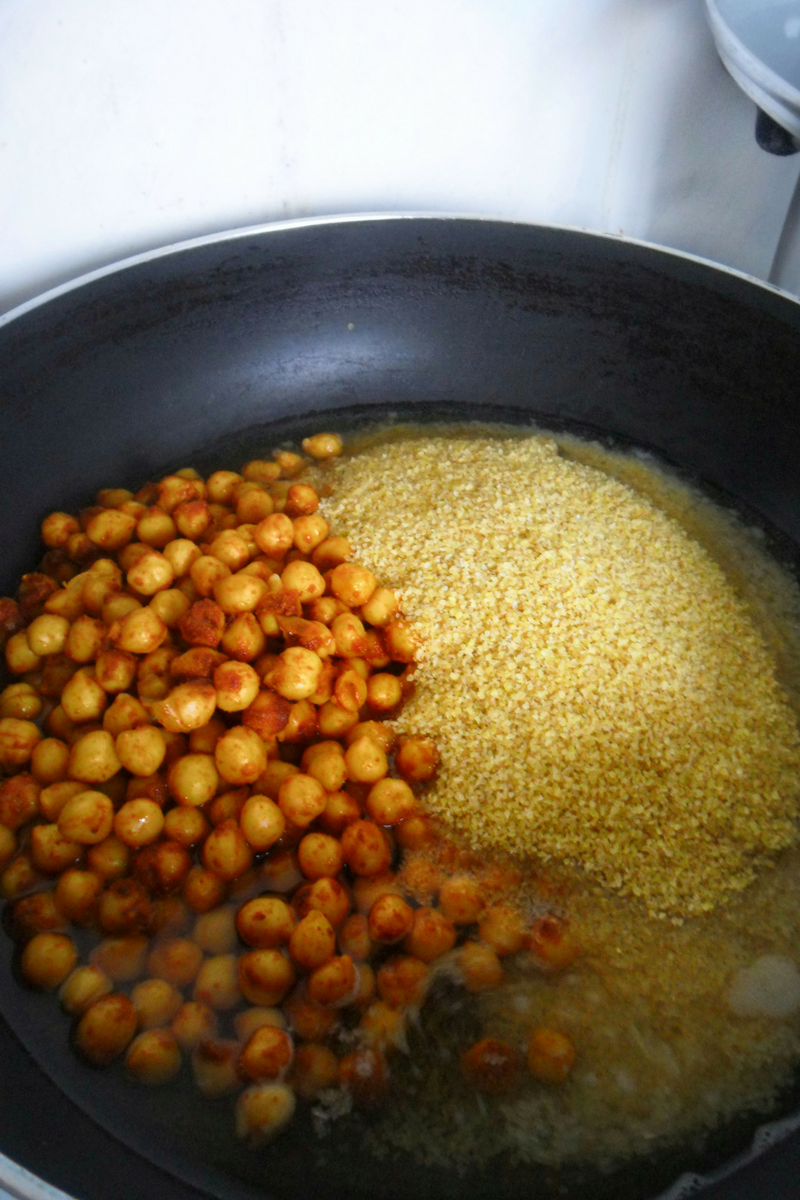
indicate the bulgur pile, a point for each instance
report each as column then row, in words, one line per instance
column 598, row 692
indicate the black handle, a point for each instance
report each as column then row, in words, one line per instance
column 772, row 137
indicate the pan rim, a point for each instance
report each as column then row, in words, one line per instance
column 259, row 229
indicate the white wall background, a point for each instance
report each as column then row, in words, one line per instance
column 127, row 124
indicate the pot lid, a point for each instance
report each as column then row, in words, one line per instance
column 759, row 44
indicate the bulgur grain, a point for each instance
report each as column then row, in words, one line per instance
column 598, row 691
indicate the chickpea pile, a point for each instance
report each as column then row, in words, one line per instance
column 196, row 777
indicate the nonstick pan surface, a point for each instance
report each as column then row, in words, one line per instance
column 213, row 352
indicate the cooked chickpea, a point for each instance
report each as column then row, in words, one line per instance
column 18, row 877
column 20, row 658
column 390, row 919
column 327, row 555
column 550, row 1055
column 115, row 670
column 215, row 1067
column 296, row 674
column 309, row 532
column 47, row 960
column 240, row 755
column 47, row 634
column 8, row 845
column 239, row 593
column 349, row 634
column 365, row 847
column 152, row 573
column 171, row 606
column 415, row 832
column 301, row 798
column 323, row 445
column 192, row 518
column 87, row 818
column 182, row 555
column 366, row 761
column 216, row 983
column 185, row 825
column 384, row 692
column 18, row 740
column 215, row 932
column 265, row 922
column 352, row 584
column 51, row 851
column 237, row 686
column 106, row 1028
column 402, row 981
column 501, row 928
column 20, row 700
column 281, row 873
column 334, row 983
column 83, row 699
column 156, row 1002
column 417, row 759
column 226, row 851
column 77, row 892
column 203, row 890
column 109, row 858
column 491, row 1065
column 204, row 739
column 303, row 578
column 85, row 639
column 243, row 640
column 194, row 1023
column 261, row 822
column 263, row 1111
column 480, row 967
column 153, row 1057
column 334, row 721
column 221, row 486
column 383, row 1027
column 206, row 572
column 341, row 809
column 367, row 889
column 312, row 942
column 57, row 528
column 390, row 801
column 125, row 712
column 380, row 608
column 34, row 914
column 319, row 855
column 155, row 528
column 461, row 900
column 141, row 632
column 551, row 941
column 138, row 823
column 253, row 502
column 267, row 1054
column 431, row 935
column 193, row 779
column 141, row 750
column 20, row 800
column 364, row 1073
column 110, row 529
column 274, row 535
column 175, row 960
column 188, row 706
column 82, row 987
column 265, row 976
column 350, row 691
column 261, row 471
column 124, row 908
column 246, row 1023
column 122, row 958
column 117, row 606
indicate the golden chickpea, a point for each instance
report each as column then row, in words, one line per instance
column 253, row 503
column 301, row 725
column 263, row 1111
column 240, row 756
column 461, row 900
column 20, row 800
column 350, row 691
column 334, row 722
column 93, row 758
column 216, row 1068
column 52, row 852
column 301, row 500
column 354, row 938
column 239, row 593
column 334, row 983
column 301, row 798
column 237, row 686
column 349, row 634
column 261, row 471
column 57, row 528
column 34, row 914
column 141, row 632
column 309, row 532
column 265, row 922
column 366, row 848
column 206, row 572
column 384, row 692
column 18, row 740
column 115, row 670
column 327, row 555
column 417, row 759
column 156, row 1002
column 341, row 809
column 109, row 859
column 47, row 634
column 380, row 608
column 491, row 1066
column 296, row 674
column 323, row 445
column 138, row 823
column 193, row 779
column 268, row 1053
column 204, row 739
column 110, row 529
column 85, row 639
column 153, row 1057
column 401, row 640
column 314, row 1069
column 171, row 606
column 194, row 1023
column 383, row 1027
column 308, row 1020
column 431, row 935
column 303, row 578
column 188, row 706
column 226, row 851
column 352, row 584
column 501, row 928
column 217, row 982
column 175, row 960
column 155, row 528
column 18, row 877
column 83, row 699
column 87, row 818
column 182, row 555
column 122, row 958
column 152, row 573
column 415, row 832
column 141, row 751
column 117, row 606
column 366, row 761
column 20, row 700
column 550, row 1055
column 327, row 896
column 215, row 932
column 261, row 822
column 203, row 890
column 368, row 888
column 192, row 518
column 124, row 909
column 19, row 656
column 246, row 1023
column 125, row 712
column 313, row 942
column 243, row 640
column 380, row 733
column 222, row 486
column 390, row 801
column 77, row 893
column 319, row 855
column 185, row 825
column 281, row 873
column 274, row 535
column 265, row 976
column 47, row 960
column 552, row 943
column 82, row 987
column 480, row 967
column 390, row 919
column 106, row 1028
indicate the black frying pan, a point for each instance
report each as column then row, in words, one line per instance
column 218, row 350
